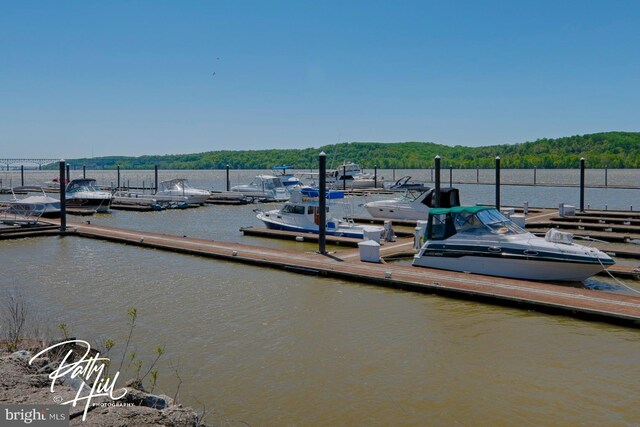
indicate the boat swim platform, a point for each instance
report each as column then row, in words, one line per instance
column 543, row 297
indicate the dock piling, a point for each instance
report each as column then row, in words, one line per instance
column 437, row 167
column 155, row 177
column 322, row 205
column 582, row 184
column 375, row 176
column 22, row 175
column 63, row 198
column 498, row 182
column 228, row 181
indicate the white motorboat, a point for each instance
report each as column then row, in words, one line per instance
column 43, row 205
column 288, row 179
column 180, row 190
column 477, row 239
column 412, row 204
column 266, row 188
column 84, row 193
column 350, row 175
column 405, row 183
column 301, row 214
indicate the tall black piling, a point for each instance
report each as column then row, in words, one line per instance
column 375, row 176
column 436, row 203
column 322, row 205
column 498, row 182
column 63, row 198
column 155, row 177
column 582, row 184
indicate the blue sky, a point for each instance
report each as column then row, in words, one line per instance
column 96, row 78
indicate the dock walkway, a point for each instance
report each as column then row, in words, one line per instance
column 599, row 305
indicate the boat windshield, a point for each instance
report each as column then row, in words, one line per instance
column 82, row 185
column 483, row 222
column 270, row 184
column 176, row 185
column 489, row 219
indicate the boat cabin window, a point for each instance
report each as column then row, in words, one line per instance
column 294, row 209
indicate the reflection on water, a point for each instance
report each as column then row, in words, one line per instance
column 275, row 348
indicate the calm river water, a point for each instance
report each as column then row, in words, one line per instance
column 273, row 348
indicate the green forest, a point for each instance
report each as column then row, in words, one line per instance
column 607, row 149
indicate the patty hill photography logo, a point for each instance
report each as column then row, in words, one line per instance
column 89, row 369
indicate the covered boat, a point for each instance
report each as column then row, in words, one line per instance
column 478, row 239
column 301, row 213
column 43, row 205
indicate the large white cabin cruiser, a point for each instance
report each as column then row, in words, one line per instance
column 412, row 204
column 267, row 188
column 84, row 193
column 301, row 214
column 481, row 240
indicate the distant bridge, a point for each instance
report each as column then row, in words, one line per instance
column 6, row 163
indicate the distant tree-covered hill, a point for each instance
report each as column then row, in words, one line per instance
column 612, row 149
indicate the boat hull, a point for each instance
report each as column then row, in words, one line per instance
column 190, row 198
column 331, row 231
column 395, row 212
column 95, row 204
column 528, row 269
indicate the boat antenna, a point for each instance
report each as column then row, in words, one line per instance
column 335, row 150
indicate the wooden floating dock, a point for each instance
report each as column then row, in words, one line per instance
column 35, row 230
column 583, row 303
column 229, row 198
column 299, row 237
